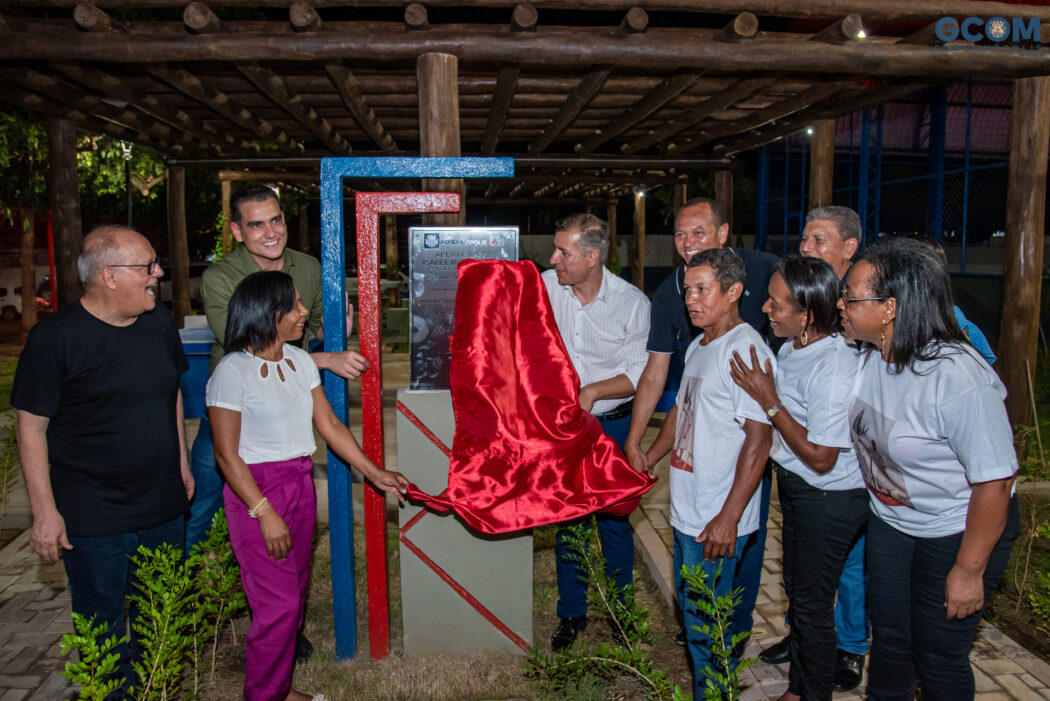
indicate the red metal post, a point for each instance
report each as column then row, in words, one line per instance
column 369, row 207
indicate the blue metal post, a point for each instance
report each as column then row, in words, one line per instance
column 762, row 197
column 878, row 174
column 966, row 173
column 864, row 168
column 935, row 185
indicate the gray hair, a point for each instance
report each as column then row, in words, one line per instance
column 100, row 248
column 728, row 267
column 594, row 232
column 846, row 221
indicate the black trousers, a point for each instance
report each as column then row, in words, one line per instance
column 819, row 528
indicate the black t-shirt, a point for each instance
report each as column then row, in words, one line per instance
column 670, row 330
column 110, row 393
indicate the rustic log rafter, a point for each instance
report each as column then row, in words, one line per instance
column 779, row 110
column 91, row 19
column 148, row 131
column 199, row 18
column 350, row 92
column 580, row 96
column 218, row 101
column 736, row 92
column 113, row 87
column 523, row 19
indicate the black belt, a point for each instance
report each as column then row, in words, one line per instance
column 620, row 412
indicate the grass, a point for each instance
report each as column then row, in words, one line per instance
column 1035, row 464
column 478, row 676
column 7, row 377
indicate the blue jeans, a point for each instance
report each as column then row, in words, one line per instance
column 749, row 574
column 101, row 577
column 910, row 639
column 851, row 608
column 617, row 539
column 690, row 553
column 207, row 497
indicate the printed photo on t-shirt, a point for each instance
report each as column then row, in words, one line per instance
column 884, row 478
column 682, row 455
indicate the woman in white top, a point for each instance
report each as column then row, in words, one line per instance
column 936, row 451
column 263, row 400
column 822, row 495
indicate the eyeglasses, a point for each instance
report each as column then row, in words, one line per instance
column 150, row 267
column 851, row 300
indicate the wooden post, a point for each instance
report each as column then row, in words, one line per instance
column 438, row 79
column 28, row 264
column 304, row 228
column 610, row 219
column 638, row 252
column 65, row 207
column 724, row 194
column 226, row 189
column 821, row 163
column 178, row 247
column 392, row 270
column 680, row 194
column 1023, row 257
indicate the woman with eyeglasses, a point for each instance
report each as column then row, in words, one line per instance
column 264, row 399
column 936, row 451
column 822, row 495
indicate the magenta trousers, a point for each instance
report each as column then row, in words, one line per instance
column 276, row 589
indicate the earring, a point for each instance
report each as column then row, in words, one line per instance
column 803, row 338
column 882, row 343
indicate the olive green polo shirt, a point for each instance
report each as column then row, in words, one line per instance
column 220, row 279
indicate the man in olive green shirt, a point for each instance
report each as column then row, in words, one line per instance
column 258, row 224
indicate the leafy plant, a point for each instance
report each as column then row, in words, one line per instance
column 629, row 623
column 96, row 669
column 717, row 610
column 8, row 462
column 1040, row 597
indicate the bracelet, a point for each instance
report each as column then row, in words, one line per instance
column 255, row 511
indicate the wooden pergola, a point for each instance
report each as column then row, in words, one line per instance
column 592, row 97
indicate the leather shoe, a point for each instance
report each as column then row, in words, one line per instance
column 849, row 667
column 566, row 632
column 303, row 648
column 680, row 638
column 777, row 653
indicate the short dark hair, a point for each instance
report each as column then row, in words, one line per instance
column 728, row 267
column 718, row 210
column 594, row 232
column 251, row 322
column 814, row 288
column 250, row 193
column 846, row 221
column 915, row 275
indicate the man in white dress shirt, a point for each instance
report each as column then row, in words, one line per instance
column 604, row 323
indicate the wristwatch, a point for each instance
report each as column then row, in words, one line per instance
column 772, row 411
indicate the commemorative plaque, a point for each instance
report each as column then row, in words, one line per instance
column 434, row 254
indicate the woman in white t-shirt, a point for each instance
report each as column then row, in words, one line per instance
column 822, row 495
column 936, row 451
column 263, row 400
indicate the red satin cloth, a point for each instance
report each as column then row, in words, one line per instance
column 524, row 453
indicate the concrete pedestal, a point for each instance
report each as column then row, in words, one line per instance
column 461, row 591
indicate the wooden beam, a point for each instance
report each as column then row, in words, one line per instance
column 638, row 247
column 560, row 48
column 582, row 94
column 724, row 194
column 199, row 18
column 178, row 247
column 276, row 176
column 354, row 100
column 844, row 30
column 114, row 87
column 635, row 21
column 226, row 194
column 679, row 196
column 713, row 105
column 813, row 95
column 92, row 19
column 506, row 84
column 416, row 17
column 610, row 219
column 821, row 163
column 438, row 78
column 743, row 26
column 192, row 86
column 667, row 90
column 392, row 269
column 524, row 18
column 27, row 263
column 1023, row 255
column 274, row 87
column 304, row 17
column 64, row 194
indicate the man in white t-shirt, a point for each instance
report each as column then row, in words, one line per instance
column 604, row 322
column 720, row 439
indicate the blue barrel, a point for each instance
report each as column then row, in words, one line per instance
column 196, row 344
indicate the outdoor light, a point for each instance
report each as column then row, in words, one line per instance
column 809, row 131
column 862, row 34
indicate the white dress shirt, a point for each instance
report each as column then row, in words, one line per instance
column 605, row 338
